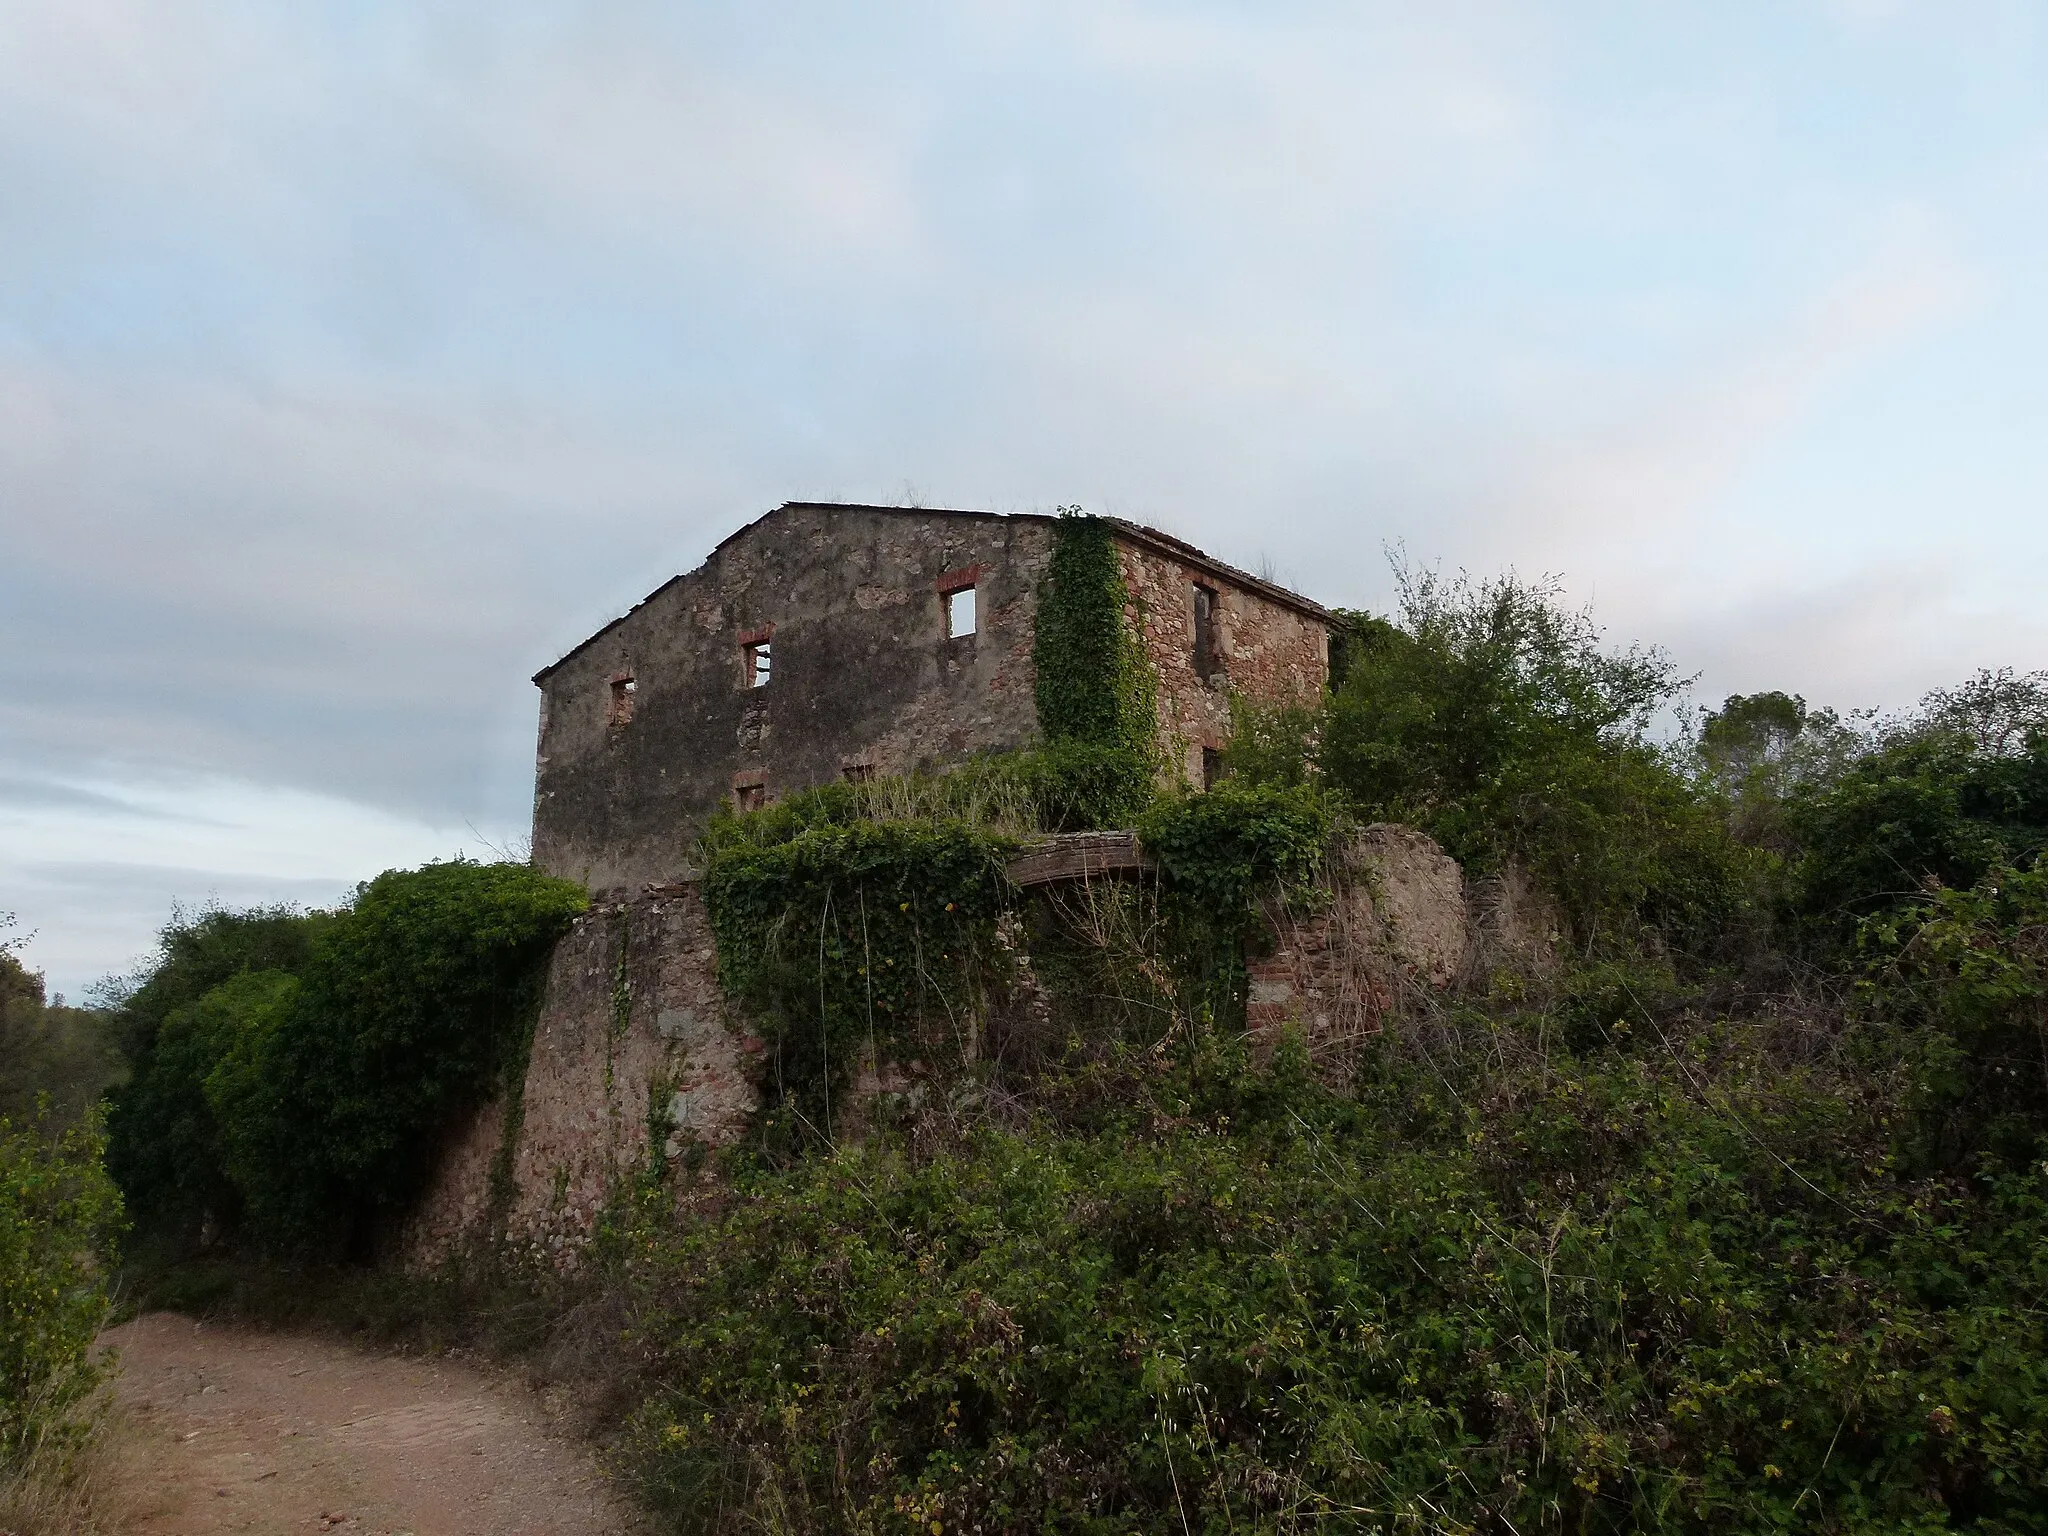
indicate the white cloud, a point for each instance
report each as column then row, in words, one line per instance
column 95, row 864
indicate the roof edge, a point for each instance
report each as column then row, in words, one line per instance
column 1137, row 533
column 719, row 548
column 1180, row 549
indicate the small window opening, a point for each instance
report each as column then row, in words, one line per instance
column 1212, row 766
column 758, row 664
column 859, row 773
column 960, row 613
column 750, row 797
column 620, row 708
column 1205, row 631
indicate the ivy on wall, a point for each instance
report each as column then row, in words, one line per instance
column 1218, row 852
column 1095, row 686
column 842, row 940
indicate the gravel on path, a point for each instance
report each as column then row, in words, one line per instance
column 233, row 1429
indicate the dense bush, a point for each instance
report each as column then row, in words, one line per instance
column 1968, row 971
column 1929, row 807
column 59, row 1216
column 301, row 1098
column 1680, row 1286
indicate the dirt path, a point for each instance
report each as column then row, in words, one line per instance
column 230, row 1429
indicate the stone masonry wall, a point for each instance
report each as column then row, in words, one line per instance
column 632, row 1040
column 652, row 724
column 1397, row 918
column 1262, row 650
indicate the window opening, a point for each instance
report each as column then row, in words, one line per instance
column 859, row 773
column 1205, row 631
column 758, row 664
column 620, row 708
column 750, row 797
column 1212, row 766
column 960, row 613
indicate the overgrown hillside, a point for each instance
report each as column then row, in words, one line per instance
column 1732, row 1216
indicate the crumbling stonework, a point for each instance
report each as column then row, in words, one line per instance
column 1395, row 917
column 636, row 1055
column 860, row 674
column 815, row 644
column 1265, row 650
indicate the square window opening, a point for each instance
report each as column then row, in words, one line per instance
column 1205, row 631
column 619, row 709
column 750, row 797
column 960, row 613
column 759, row 664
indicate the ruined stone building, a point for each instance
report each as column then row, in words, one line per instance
column 823, row 642
column 827, row 641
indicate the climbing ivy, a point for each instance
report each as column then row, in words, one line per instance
column 842, row 940
column 1218, row 852
column 1095, row 687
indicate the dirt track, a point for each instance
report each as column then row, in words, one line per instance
column 230, row 1429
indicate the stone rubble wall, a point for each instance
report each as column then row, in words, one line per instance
column 634, row 1037
column 1396, row 917
column 1263, row 651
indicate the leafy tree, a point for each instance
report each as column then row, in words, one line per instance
column 1493, row 718
column 196, row 952
column 49, row 1051
column 303, row 1103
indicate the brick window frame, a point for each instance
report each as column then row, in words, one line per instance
column 966, row 578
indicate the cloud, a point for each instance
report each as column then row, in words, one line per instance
column 95, row 865
column 357, row 360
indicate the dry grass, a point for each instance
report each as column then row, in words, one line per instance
column 69, row 1486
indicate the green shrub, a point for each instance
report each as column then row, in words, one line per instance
column 59, row 1216
column 1968, row 969
column 1927, row 806
column 1219, row 853
column 414, row 1005
column 305, row 1105
column 1669, row 1289
column 1492, row 718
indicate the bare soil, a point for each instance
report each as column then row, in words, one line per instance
column 228, row 1428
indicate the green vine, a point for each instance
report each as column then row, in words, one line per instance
column 1218, row 852
column 1095, row 686
column 845, row 940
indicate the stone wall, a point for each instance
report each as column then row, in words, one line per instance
column 653, row 723
column 1263, row 649
column 633, row 1040
column 1396, row 920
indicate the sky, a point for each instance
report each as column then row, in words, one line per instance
column 356, row 360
